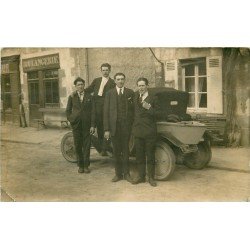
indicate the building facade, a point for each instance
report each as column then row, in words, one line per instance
column 39, row 80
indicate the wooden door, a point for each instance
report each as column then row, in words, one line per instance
column 34, row 96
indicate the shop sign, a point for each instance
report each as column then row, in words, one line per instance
column 41, row 62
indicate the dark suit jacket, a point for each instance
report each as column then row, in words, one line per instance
column 95, row 85
column 145, row 119
column 110, row 109
column 81, row 114
column 93, row 88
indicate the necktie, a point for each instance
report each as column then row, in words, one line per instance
column 120, row 92
column 140, row 99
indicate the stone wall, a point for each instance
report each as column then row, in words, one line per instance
column 133, row 62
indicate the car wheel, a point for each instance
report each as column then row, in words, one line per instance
column 68, row 147
column 200, row 158
column 164, row 161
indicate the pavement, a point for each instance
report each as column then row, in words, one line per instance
column 230, row 159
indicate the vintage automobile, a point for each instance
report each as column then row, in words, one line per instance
column 180, row 140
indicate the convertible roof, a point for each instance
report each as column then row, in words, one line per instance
column 171, row 101
column 159, row 90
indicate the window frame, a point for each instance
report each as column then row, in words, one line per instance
column 196, row 91
column 51, row 79
column 42, row 88
column 5, row 93
column 33, row 80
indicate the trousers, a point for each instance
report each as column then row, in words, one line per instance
column 145, row 155
column 82, row 141
column 120, row 143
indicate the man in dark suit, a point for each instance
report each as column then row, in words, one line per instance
column 118, row 119
column 80, row 113
column 98, row 88
column 144, row 131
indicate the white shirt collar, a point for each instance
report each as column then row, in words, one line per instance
column 144, row 95
column 80, row 93
column 105, row 79
column 118, row 90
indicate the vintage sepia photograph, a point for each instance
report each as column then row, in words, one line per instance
column 125, row 124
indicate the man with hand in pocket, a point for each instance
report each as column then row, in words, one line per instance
column 80, row 113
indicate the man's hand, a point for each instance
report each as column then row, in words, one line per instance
column 92, row 130
column 146, row 105
column 107, row 135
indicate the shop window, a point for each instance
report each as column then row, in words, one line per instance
column 6, row 92
column 33, row 82
column 44, row 88
column 194, row 78
column 51, row 88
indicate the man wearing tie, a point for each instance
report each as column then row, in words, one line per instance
column 80, row 113
column 144, row 131
column 98, row 88
column 118, row 119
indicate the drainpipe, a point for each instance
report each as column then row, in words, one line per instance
column 159, row 71
column 87, row 66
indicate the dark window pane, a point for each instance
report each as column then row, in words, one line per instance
column 51, row 88
column 6, row 87
column 191, row 101
column 32, row 75
column 202, row 70
column 202, row 84
column 189, row 70
column 51, row 91
column 48, row 74
column 6, row 92
column 7, row 101
column 34, row 92
column 55, row 92
column 189, row 84
column 202, row 99
column 55, row 73
column 48, row 95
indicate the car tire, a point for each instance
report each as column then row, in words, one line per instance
column 200, row 158
column 68, row 147
column 164, row 161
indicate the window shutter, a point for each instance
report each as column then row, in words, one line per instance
column 171, row 74
column 214, row 85
column 179, row 76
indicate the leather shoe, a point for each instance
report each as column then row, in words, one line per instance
column 86, row 170
column 139, row 180
column 80, row 170
column 128, row 178
column 152, row 182
column 116, row 178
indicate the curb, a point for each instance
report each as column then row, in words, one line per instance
column 22, row 142
column 230, row 169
